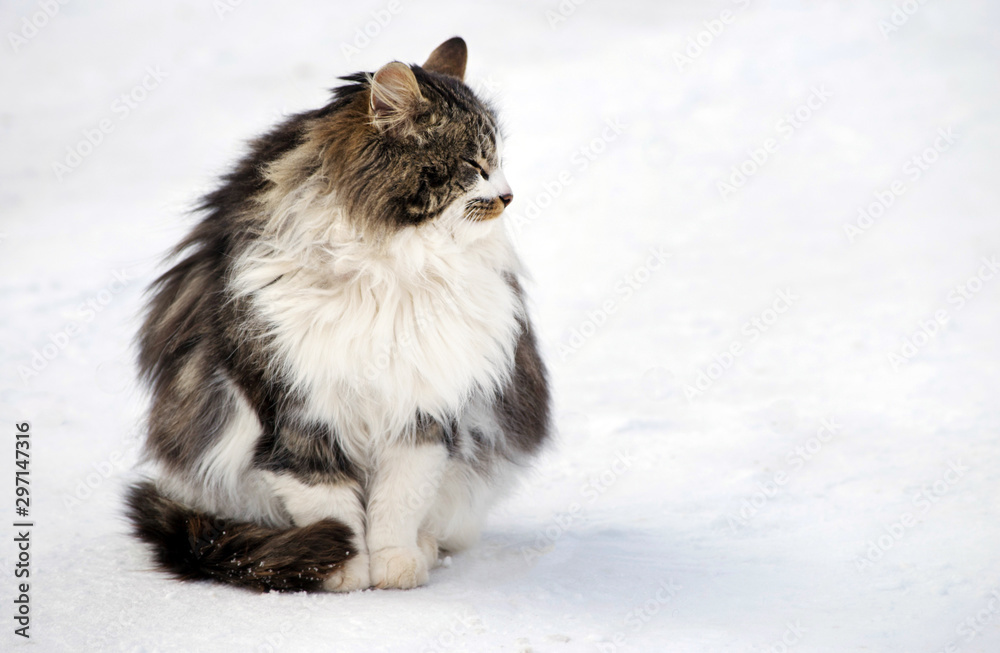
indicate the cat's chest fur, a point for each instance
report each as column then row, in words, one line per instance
column 371, row 336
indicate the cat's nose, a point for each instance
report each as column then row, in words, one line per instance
column 503, row 190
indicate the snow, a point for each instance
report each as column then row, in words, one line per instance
column 875, row 532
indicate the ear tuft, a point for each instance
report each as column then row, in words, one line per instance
column 394, row 91
column 449, row 58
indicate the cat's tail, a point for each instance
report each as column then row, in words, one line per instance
column 192, row 545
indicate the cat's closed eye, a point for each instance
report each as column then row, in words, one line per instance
column 482, row 171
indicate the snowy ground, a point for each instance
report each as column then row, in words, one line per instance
column 751, row 456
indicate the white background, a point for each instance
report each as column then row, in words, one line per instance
column 870, row 544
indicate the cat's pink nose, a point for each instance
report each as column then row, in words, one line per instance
column 507, row 198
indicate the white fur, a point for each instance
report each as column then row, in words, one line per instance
column 224, row 481
column 373, row 332
column 309, row 504
column 494, row 186
column 225, row 465
column 463, row 501
column 403, row 486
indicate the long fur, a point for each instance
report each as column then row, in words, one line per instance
column 342, row 349
column 192, row 545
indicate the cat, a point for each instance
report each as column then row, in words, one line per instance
column 342, row 370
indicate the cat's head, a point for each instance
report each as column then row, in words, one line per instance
column 412, row 144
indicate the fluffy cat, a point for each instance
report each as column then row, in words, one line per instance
column 343, row 373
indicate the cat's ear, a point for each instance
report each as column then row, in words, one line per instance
column 449, row 58
column 395, row 93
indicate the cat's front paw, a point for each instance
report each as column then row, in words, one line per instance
column 398, row 567
column 353, row 575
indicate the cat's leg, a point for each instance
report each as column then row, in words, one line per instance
column 401, row 490
column 315, row 481
column 463, row 502
column 428, row 545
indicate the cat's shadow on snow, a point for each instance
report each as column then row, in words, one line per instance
column 597, row 563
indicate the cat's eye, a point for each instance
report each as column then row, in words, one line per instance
column 478, row 167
